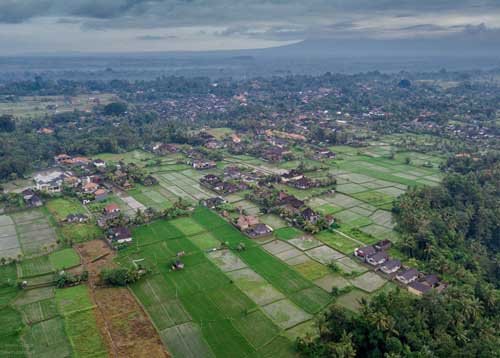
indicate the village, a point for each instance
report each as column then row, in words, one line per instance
column 273, row 192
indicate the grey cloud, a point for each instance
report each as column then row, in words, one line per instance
column 424, row 27
column 155, row 38
column 200, row 12
column 13, row 11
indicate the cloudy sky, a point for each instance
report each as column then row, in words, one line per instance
column 45, row 26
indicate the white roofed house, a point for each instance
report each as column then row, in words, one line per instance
column 390, row 266
column 407, row 276
column 50, row 182
column 377, row 258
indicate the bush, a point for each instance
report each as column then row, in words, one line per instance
column 119, row 276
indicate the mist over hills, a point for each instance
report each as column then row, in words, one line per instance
column 311, row 56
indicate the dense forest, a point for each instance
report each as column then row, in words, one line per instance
column 453, row 229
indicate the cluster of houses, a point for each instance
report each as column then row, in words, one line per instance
column 220, row 186
column 292, row 207
column 198, row 161
column 52, row 181
column 416, row 282
column 251, row 226
column 233, row 180
column 116, row 233
column 297, row 179
column 165, row 148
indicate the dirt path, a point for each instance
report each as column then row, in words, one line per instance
column 349, row 237
column 121, row 319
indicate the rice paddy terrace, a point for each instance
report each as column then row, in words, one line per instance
column 225, row 302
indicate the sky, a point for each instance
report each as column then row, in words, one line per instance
column 66, row 26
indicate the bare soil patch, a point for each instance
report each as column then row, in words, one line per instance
column 121, row 319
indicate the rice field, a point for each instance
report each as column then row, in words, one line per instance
column 34, row 232
column 225, row 302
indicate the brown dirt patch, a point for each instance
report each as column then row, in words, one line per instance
column 121, row 319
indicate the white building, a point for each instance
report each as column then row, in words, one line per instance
column 50, row 182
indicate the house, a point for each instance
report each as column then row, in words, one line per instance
column 45, row 131
column 120, row 235
column 177, row 265
column 364, row 251
column 127, row 185
column 377, row 258
column 214, row 202
column 100, row 195
column 329, row 220
column 324, row 154
column 244, row 222
column 273, row 154
column 71, row 180
column 232, row 172
column 76, row 218
column 282, row 196
column 213, row 144
column 99, row 163
column 31, row 199
column 390, row 266
column 50, row 182
column 107, row 219
column 258, row 230
column 90, row 188
column 431, row 280
column 149, row 181
column 302, row 183
column 407, row 276
column 291, row 203
column 203, row 164
column 418, row 288
column 28, row 194
column 235, row 139
column 309, row 215
column 292, row 175
column 61, row 157
column 383, row 245
column 112, row 208
column 210, row 180
column 165, row 148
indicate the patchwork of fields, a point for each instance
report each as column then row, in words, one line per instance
column 44, row 322
column 26, row 234
column 213, row 305
column 226, row 302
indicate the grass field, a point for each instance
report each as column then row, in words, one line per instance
column 34, row 267
column 10, row 340
column 225, row 302
column 76, row 233
column 60, row 208
column 198, row 311
column 337, row 241
column 64, row 259
column 287, row 233
column 35, row 233
column 47, row 339
column 80, row 322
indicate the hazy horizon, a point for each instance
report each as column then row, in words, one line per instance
column 124, row 26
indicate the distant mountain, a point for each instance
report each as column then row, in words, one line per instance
column 456, row 46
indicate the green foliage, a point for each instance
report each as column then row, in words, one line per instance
column 452, row 324
column 119, row 276
column 7, row 124
column 115, row 109
column 454, row 228
column 65, row 278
